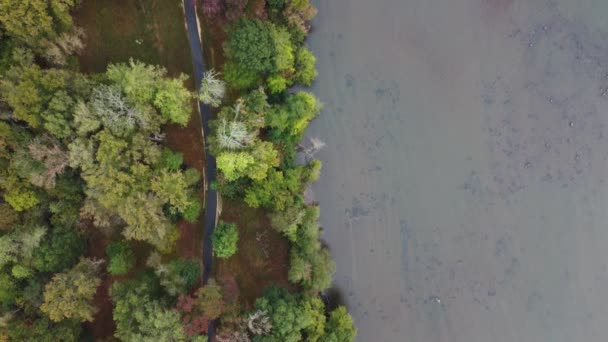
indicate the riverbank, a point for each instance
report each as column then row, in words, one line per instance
column 263, row 258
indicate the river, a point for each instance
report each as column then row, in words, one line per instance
column 464, row 192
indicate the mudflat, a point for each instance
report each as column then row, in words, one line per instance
column 464, row 193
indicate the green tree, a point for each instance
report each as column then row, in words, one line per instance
column 310, row 263
column 283, row 51
column 279, row 190
column 146, row 85
column 21, row 199
column 176, row 277
column 171, row 187
column 8, row 290
column 225, row 240
column 288, row 314
column 275, row 5
column 339, row 327
column 69, row 295
column 146, row 221
column 315, row 308
column 256, row 49
column 193, row 211
column 44, row 97
column 293, row 116
column 19, row 245
column 251, row 46
column 59, row 250
column 312, row 270
column 45, row 330
column 305, row 66
column 239, row 77
column 234, row 165
column 65, row 199
column 172, row 99
column 171, row 161
column 153, row 324
column 288, row 221
column 138, row 80
column 121, row 257
column 32, row 20
column 276, row 83
column 266, row 158
column 139, row 317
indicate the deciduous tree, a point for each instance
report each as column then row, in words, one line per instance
column 139, row 317
column 121, row 257
column 289, row 318
column 210, row 301
column 225, row 239
column 69, row 295
column 59, row 250
column 339, row 327
column 212, row 89
column 305, row 66
column 32, row 20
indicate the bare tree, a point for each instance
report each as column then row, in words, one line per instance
column 52, row 157
column 314, row 146
column 259, row 323
column 67, row 44
column 109, row 104
column 234, row 134
column 213, row 89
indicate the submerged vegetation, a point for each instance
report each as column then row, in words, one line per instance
column 85, row 165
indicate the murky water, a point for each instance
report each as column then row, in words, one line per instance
column 464, row 191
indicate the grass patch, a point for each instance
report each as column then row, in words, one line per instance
column 152, row 31
column 262, row 257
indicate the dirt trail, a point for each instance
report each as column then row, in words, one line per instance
column 464, row 184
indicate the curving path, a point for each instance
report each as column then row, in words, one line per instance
column 211, row 201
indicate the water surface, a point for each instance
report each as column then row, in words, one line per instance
column 464, row 191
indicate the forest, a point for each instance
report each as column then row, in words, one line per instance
column 96, row 197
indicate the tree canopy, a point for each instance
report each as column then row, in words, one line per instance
column 31, row 20
column 69, row 295
column 225, row 238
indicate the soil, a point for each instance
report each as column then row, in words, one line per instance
column 262, row 257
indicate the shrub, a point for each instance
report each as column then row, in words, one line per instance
column 225, row 239
column 171, row 161
column 193, row 211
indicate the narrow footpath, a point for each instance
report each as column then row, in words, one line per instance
column 210, row 167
